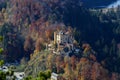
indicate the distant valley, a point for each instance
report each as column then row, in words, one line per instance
column 115, row 4
column 97, row 3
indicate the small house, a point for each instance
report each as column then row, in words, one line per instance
column 54, row 76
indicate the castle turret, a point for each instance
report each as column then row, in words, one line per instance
column 55, row 37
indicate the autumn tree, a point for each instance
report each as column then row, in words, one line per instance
column 50, row 61
column 49, row 34
column 68, row 71
column 58, row 63
column 84, row 68
column 95, row 71
column 28, row 44
column 73, row 62
column 39, row 44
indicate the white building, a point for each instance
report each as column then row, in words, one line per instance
column 4, row 69
column 19, row 75
column 54, row 76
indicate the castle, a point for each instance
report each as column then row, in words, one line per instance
column 64, row 42
column 62, row 37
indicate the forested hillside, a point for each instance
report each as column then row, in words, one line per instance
column 27, row 25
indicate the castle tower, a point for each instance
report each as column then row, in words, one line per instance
column 55, row 37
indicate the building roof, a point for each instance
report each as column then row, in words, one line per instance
column 54, row 74
column 19, row 75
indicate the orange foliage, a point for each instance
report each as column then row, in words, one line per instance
column 83, row 59
column 73, row 62
column 38, row 45
column 92, row 57
column 95, row 71
column 58, row 63
column 49, row 34
column 28, row 43
column 86, row 46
